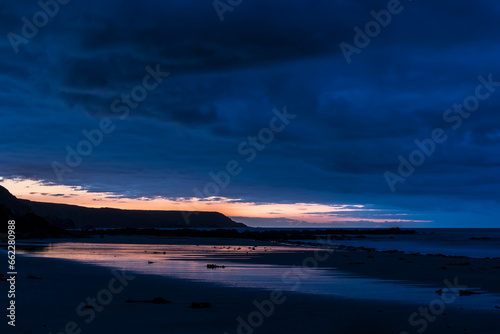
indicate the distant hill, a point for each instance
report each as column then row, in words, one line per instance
column 28, row 224
column 72, row 216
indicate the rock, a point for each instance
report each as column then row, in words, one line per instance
column 467, row 293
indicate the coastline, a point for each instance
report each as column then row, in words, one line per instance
column 66, row 284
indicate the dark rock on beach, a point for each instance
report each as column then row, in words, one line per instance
column 467, row 293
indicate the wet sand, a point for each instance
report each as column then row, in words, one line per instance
column 50, row 304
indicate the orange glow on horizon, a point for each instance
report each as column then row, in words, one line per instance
column 309, row 212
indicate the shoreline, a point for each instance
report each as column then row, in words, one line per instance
column 415, row 268
column 65, row 284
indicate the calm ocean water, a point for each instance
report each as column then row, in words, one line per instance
column 478, row 243
column 471, row 242
column 189, row 262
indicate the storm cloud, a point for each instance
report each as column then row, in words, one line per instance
column 353, row 119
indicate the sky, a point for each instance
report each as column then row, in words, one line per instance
column 275, row 113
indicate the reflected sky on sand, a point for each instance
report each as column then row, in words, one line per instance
column 190, row 262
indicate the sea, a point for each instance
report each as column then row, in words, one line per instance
column 470, row 242
column 189, row 262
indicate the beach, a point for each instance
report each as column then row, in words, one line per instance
column 248, row 167
column 54, row 299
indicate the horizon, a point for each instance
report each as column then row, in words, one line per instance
column 254, row 222
column 283, row 120
column 231, row 166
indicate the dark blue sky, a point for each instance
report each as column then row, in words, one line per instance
column 354, row 119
